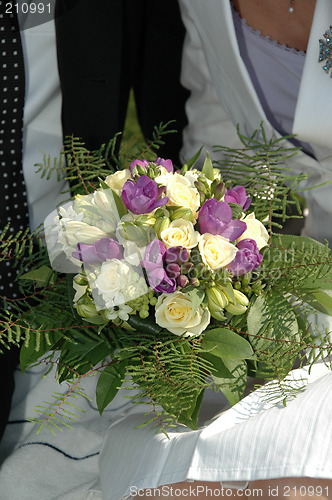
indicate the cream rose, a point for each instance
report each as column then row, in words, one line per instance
column 216, row 251
column 181, row 193
column 174, row 311
column 255, row 231
column 180, row 232
column 116, row 181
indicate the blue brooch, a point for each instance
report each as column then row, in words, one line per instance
column 325, row 51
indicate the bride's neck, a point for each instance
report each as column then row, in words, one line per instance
column 272, row 18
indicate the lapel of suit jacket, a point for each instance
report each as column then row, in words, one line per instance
column 314, row 105
column 229, row 74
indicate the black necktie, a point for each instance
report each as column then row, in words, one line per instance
column 13, row 200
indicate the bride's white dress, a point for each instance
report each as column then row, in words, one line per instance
column 106, row 457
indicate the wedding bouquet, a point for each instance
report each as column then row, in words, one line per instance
column 169, row 281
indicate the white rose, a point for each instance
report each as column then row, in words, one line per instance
column 255, row 231
column 180, row 232
column 116, row 181
column 174, row 311
column 216, row 251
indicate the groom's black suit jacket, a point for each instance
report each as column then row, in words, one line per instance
column 105, row 47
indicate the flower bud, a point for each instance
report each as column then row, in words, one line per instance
column 197, row 271
column 161, row 224
column 183, row 213
column 235, row 309
column 201, row 187
column 217, row 299
column 173, row 270
column 194, row 282
column 176, row 254
column 81, row 280
column 219, row 191
column 245, row 279
column 240, row 305
column 186, row 267
column 218, row 315
column 207, row 274
column 161, row 212
column 241, row 298
column 146, row 220
column 86, row 310
column 143, row 313
column 182, row 280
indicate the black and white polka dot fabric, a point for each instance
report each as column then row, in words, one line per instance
column 13, row 201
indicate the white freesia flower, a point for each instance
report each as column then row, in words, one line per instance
column 79, row 289
column 85, row 205
column 255, row 231
column 174, row 311
column 216, row 251
column 180, row 232
column 164, row 178
column 192, row 176
column 71, row 230
column 121, row 311
column 116, row 181
column 118, row 283
column 133, row 254
column 80, row 232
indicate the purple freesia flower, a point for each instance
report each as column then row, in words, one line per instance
column 106, row 248
column 215, row 217
column 154, row 255
column 160, row 282
column 168, row 164
column 141, row 197
column 238, row 195
column 246, row 259
column 141, row 163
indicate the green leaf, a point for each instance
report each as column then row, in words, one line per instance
column 320, row 300
column 196, row 297
column 119, row 204
column 219, row 369
column 146, row 325
column 42, row 276
column 274, row 335
column 190, row 163
column 96, row 320
column 109, row 382
column 228, row 346
column 82, row 355
column 39, row 344
column 237, row 210
column 208, row 167
column 233, row 388
column 298, row 262
column 230, row 383
column 190, row 417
